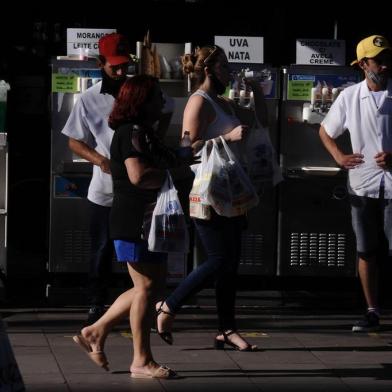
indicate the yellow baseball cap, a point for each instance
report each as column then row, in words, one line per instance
column 371, row 47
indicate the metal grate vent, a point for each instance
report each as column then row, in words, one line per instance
column 76, row 246
column 318, row 249
column 252, row 249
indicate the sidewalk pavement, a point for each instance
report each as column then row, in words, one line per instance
column 300, row 351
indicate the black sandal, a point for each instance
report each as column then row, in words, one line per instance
column 220, row 344
column 166, row 336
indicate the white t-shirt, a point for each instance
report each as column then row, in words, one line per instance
column 88, row 122
column 370, row 132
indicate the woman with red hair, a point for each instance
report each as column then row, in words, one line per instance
column 139, row 164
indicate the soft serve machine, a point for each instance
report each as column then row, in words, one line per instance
column 69, row 242
column 315, row 234
column 258, row 256
column 4, row 87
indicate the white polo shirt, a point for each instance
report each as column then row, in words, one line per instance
column 88, row 122
column 370, row 130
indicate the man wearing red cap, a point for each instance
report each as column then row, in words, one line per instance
column 365, row 109
column 90, row 138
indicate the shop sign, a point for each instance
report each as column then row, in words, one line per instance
column 321, row 51
column 84, row 42
column 242, row 49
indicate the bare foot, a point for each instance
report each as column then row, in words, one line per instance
column 152, row 370
column 95, row 337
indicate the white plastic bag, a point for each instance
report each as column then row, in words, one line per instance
column 168, row 231
column 260, row 157
column 198, row 205
column 230, row 191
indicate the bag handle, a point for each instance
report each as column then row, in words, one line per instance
column 227, row 149
column 168, row 183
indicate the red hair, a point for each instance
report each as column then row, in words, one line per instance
column 134, row 93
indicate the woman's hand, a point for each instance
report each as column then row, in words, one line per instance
column 197, row 146
column 237, row 133
column 253, row 83
column 189, row 161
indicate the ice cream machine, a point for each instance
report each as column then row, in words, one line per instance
column 4, row 87
column 3, row 203
column 259, row 240
column 69, row 242
column 315, row 236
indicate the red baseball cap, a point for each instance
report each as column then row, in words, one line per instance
column 115, row 48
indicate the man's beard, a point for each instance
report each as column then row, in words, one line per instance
column 109, row 85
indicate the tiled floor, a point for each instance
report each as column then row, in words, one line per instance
column 300, row 352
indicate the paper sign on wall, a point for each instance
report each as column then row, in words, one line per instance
column 64, row 83
column 85, row 41
column 242, row 49
column 321, row 51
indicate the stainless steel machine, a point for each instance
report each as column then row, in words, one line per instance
column 315, row 235
column 69, row 242
column 259, row 240
column 3, row 202
column 4, row 87
column 68, row 239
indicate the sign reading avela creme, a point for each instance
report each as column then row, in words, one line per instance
column 242, row 49
column 321, row 51
column 85, row 41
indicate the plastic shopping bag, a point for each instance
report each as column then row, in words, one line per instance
column 230, row 191
column 198, row 205
column 168, row 231
column 260, row 158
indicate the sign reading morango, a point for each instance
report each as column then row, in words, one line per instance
column 85, row 41
column 242, row 49
column 321, row 52
column 89, row 35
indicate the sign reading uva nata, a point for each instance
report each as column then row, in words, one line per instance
column 321, row 51
column 242, row 49
column 85, row 41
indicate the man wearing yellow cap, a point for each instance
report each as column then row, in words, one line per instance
column 365, row 110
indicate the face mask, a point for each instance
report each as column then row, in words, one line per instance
column 377, row 78
column 219, row 87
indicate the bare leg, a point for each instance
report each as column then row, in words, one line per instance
column 96, row 333
column 147, row 279
column 368, row 274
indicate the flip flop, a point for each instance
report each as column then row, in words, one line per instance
column 161, row 372
column 98, row 357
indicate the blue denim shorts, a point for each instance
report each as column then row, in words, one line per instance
column 371, row 219
column 137, row 252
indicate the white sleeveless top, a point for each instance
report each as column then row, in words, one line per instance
column 223, row 122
